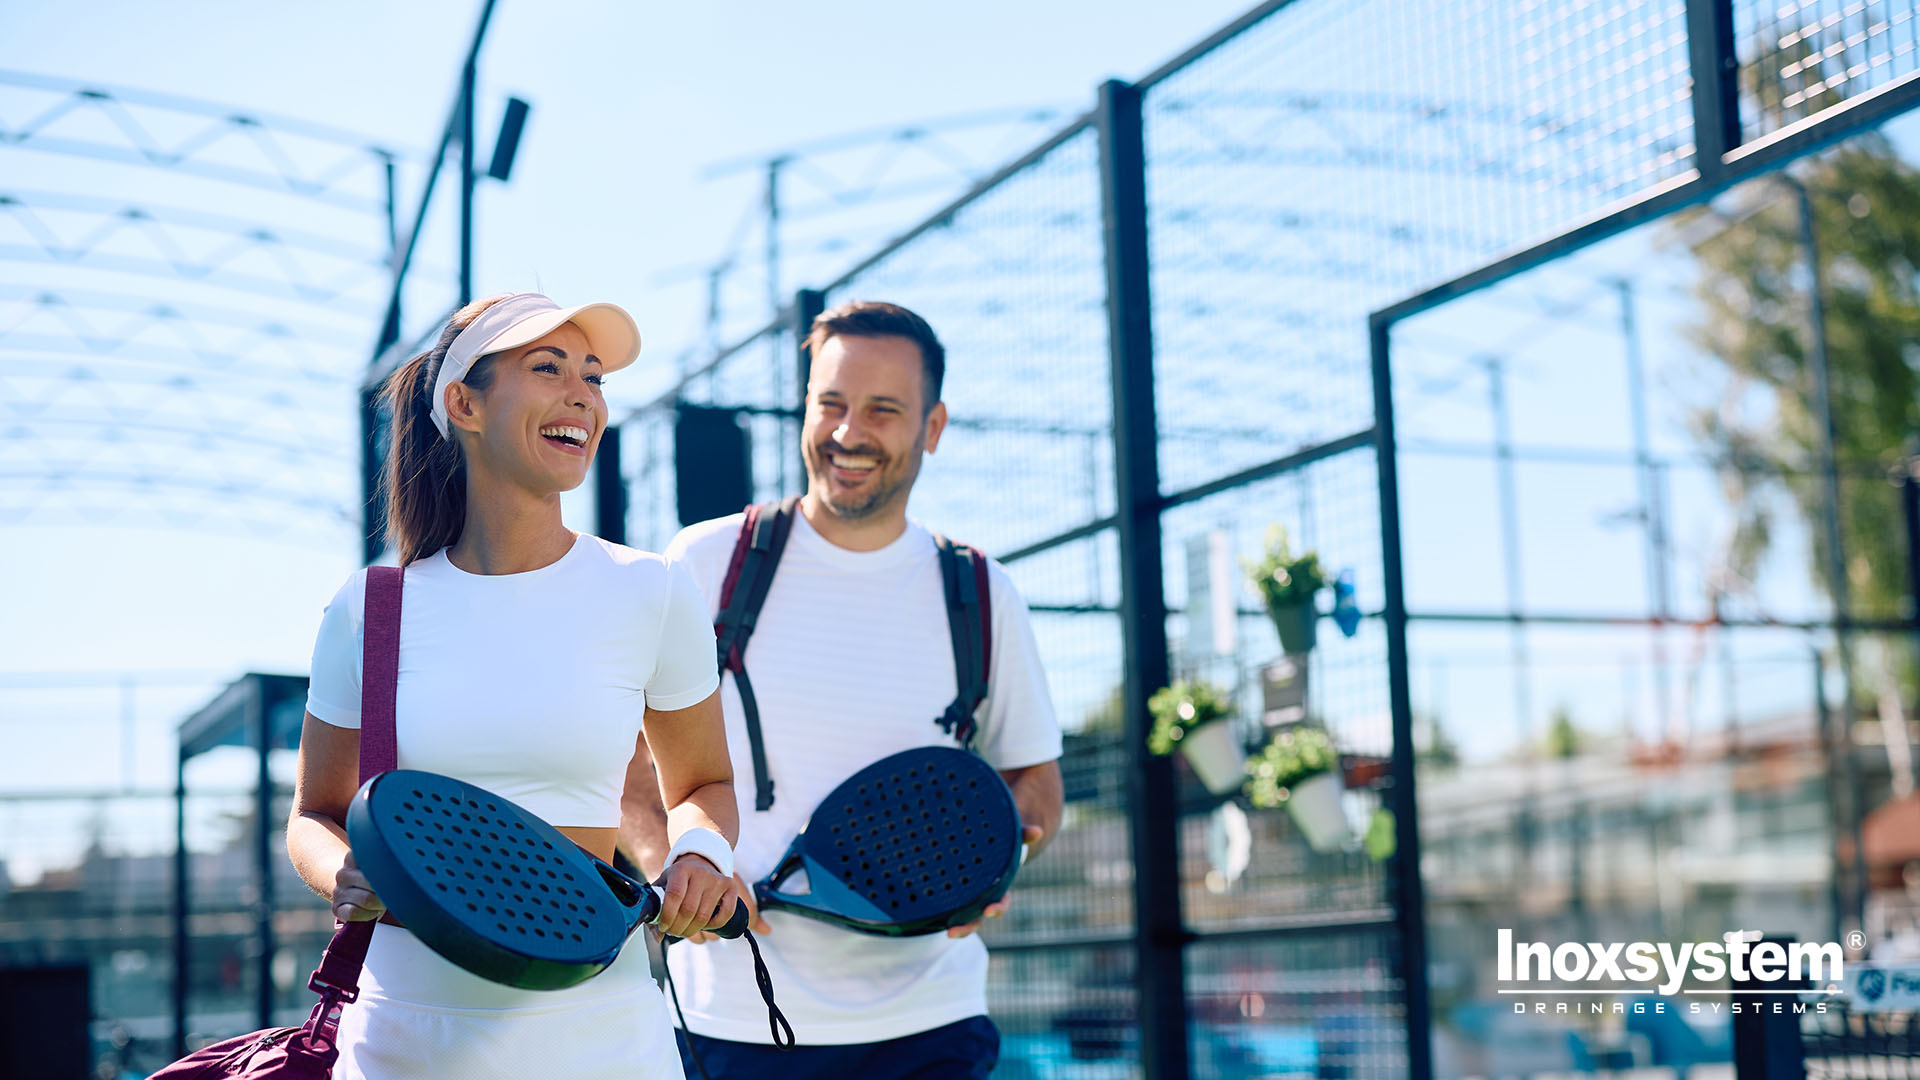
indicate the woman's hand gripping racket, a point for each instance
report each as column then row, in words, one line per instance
column 913, row 844
column 493, row 888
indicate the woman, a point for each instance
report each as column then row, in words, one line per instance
column 527, row 655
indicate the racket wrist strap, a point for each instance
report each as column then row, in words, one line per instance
column 707, row 844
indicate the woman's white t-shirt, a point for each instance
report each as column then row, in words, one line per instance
column 531, row 685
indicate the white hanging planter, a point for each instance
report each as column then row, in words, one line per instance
column 1217, row 756
column 1315, row 806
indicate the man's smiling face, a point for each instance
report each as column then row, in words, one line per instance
column 867, row 424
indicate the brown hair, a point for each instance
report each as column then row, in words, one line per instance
column 424, row 483
column 877, row 318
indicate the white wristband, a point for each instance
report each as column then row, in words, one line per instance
column 707, row 844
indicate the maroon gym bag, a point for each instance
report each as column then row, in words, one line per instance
column 308, row 1052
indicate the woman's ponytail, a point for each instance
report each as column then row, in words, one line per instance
column 424, row 483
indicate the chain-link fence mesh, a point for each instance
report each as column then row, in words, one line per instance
column 1842, row 1044
column 1798, row 57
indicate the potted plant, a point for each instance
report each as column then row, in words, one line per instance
column 1288, row 584
column 1193, row 717
column 1300, row 770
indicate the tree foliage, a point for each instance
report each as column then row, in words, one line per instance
column 1755, row 305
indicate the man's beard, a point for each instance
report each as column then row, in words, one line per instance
column 860, row 507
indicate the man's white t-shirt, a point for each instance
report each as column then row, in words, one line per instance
column 851, row 661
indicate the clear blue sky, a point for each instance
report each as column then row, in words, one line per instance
column 631, row 102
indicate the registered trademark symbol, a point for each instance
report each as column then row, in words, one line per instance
column 1856, row 940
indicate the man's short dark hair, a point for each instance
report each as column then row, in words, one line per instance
column 877, row 318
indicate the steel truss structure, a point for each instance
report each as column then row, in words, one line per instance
column 170, row 359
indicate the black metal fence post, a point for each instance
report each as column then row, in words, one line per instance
column 1716, row 83
column 1153, row 811
column 469, row 76
column 263, row 854
column 1409, row 896
column 1832, row 506
column 182, row 936
column 1766, row 1043
column 373, row 516
column 609, row 489
column 1910, row 514
column 807, row 306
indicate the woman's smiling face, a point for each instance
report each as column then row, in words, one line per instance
column 539, row 423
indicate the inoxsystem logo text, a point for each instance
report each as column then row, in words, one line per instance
column 1664, row 967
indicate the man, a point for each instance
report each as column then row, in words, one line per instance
column 851, row 661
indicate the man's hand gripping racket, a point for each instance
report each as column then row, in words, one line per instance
column 924, row 841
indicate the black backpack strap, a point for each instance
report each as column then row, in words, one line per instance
column 756, row 554
column 963, row 577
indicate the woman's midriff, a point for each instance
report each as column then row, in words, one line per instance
column 598, row 842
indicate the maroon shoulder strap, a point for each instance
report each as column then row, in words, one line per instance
column 741, row 544
column 380, row 671
column 337, row 979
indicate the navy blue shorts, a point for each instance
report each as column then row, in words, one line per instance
column 966, row 1050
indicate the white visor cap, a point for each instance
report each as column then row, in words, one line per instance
column 522, row 319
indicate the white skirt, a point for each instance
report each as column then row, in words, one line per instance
column 419, row 1016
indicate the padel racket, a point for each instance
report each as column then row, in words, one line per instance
column 912, row 844
column 492, row 887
